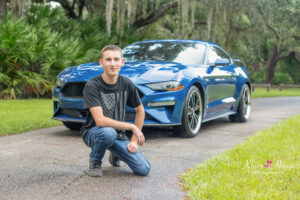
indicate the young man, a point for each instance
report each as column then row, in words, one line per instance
column 105, row 98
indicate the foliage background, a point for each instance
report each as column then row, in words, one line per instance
column 38, row 40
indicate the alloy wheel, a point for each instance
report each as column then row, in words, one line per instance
column 194, row 113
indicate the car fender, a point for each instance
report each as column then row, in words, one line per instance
column 198, row 82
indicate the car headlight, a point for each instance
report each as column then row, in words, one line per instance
column 59, row 82
column 165, row 86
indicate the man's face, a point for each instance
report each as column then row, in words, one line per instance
column 112, row 62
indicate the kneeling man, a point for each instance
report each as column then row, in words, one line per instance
column 105, row 99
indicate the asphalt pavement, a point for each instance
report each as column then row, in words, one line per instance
column 50, row 163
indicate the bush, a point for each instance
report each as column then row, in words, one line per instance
column 30, row 58
column 258, row 77
column 35, row 48
column 279, row 78
column 18, row 55
column 282, row 78
column 291, row 66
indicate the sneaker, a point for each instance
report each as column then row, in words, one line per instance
column 94, row 169
column 113, row 160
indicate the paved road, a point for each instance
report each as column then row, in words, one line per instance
column 49, row 163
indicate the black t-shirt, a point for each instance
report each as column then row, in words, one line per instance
column 112, row 98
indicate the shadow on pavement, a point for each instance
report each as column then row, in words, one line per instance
column 150, row 132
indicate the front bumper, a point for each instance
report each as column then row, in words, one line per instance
column 161, row 108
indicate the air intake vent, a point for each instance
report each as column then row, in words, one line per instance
column 73, row 90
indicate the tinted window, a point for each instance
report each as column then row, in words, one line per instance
column 215, row 53
column 187, row 53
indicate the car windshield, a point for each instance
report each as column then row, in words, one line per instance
column 186, row 53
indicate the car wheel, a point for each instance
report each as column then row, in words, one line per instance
column 244, row 109
column 192, row 114
column 74, row 126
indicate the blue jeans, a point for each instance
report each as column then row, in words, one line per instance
column 100, row 139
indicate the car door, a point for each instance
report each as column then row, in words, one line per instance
column 220, row 83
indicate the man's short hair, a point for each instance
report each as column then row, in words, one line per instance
column 110, row 47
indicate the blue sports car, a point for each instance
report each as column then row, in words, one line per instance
column 182, row 83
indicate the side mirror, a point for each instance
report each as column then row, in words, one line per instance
column 239, row 62
column 220, row 62
column 236, row 60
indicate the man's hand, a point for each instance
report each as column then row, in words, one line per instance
column 132, row 147
column 136, row 131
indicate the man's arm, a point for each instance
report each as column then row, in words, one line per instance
column 139, row 121
column 137, row 137
column 102, row 121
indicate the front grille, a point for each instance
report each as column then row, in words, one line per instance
column 74, row 89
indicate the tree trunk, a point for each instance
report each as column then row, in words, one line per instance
column 184, row 17
column 133, row 9
column 209, row 18
column 17, row 7
column 120, row 16
column 2, row 9
column 272, row 62
column 274, row 58
column 108, row 10
column 192, row 20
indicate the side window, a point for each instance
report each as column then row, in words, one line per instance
column 212, row 55
column 190, row 54
column 200, row 53
column 215, row 53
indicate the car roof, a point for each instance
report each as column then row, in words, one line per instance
column 178, row 41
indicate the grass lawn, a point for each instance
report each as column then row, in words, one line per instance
column 266, row 166
column 274, row 92
column 23, row 115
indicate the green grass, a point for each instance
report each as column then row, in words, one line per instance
column 23, row 115
column 274, row 92
column 240, row 173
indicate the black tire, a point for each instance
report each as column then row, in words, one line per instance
column 74, row 126
column 244, row 108
column 192, row 114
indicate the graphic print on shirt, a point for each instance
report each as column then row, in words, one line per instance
column 113, row 105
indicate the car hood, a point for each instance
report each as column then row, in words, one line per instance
column 138, row 71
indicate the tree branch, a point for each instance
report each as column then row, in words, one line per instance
column 267, row 24
column 155, row 15
column 273, row 30
column 297, row 37
column 73, row 4
column 80, row 8
column 200, row 22
column 68, row 8
column 287, row 54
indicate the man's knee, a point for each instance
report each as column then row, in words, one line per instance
column 107, row 135
column 143, row 170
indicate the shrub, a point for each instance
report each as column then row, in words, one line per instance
column 30, row 57
column 282, row 78
column 35, row 48
column 258, row 77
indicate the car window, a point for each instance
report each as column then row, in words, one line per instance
column 215, row 53
column 186, row 53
